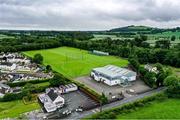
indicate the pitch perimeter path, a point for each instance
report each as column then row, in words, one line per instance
column 115, row 104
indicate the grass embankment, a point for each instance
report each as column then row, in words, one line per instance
column 157, row 106
column 168, row 109
column 15, row 108
column 73, row 62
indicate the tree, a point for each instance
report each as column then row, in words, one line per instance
column 38, row 58
column 134, row 63
column 143, row 37
column 173, row 38
column 103, row 100
column 27, row 89
column 171, row 81
column 48, row 68
column 173, row 86
column 150, row 79
column 57, row 80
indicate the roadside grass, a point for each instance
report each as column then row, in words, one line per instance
column 73, row 62
column 15, row 108
column 168, row 109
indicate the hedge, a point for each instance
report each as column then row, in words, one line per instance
column 19, row 96
column 25, row 82
column 111, row 114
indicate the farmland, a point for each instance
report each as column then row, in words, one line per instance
column 152, row 38
column 73, row 62
column 168, row 109
column 15, row 108
column 104, row 36
column 5, row 36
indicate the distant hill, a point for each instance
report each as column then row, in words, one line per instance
column 142, row 29
column 133, row 28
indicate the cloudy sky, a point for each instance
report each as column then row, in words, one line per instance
column 87, row 14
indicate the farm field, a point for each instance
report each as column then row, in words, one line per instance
column 73, row 62
column 168, row 109
column 99, row 37
column 5, row 36
column 167, row 34
column 152, row 38
column 15, row 108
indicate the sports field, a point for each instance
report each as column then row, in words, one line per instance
column 74, row 62
column 168, row 109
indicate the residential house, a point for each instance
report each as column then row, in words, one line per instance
column 51, row 100
column 4, row 89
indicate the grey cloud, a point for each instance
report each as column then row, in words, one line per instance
column 87, row 14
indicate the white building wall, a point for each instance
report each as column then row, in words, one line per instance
column 95, row 77
column 59, row 102
column 112, row 82
column 133, row 78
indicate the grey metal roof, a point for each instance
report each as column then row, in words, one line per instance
column 52, row 95
column 114, row 71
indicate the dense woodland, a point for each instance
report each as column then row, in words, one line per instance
column 162, row 52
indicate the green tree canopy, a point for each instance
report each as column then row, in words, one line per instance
column 57, row 80
column 171, row 81
column 38, row 58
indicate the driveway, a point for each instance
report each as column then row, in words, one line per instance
column 138, row 86
column 115, row 104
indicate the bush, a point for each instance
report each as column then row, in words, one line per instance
column 58, row 80
column 173, row 86
column 13, row 96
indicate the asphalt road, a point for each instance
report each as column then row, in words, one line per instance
column 115, row 104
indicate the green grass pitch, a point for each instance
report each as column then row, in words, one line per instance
column 74, row 62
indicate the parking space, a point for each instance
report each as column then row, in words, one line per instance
column 137, row 86
column 73, row 101
column 78, row 99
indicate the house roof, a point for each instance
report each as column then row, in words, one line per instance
column 6, row 63
column 114, row 71
column 52, row 95
column 4, row 86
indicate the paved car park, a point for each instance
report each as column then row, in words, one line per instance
column 74, row 100
column 137, row 86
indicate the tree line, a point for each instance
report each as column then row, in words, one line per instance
column 138, row 47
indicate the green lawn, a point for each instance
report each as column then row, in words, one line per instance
column 74, row 62
column 15, row 108
column 42, row 84
column 168, row 109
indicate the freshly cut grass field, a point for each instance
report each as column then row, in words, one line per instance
column 74, row 62
column 15, row 108
column 168, row 109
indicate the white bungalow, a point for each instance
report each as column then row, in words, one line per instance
column 51, row 100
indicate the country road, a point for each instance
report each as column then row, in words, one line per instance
column 115, row 104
